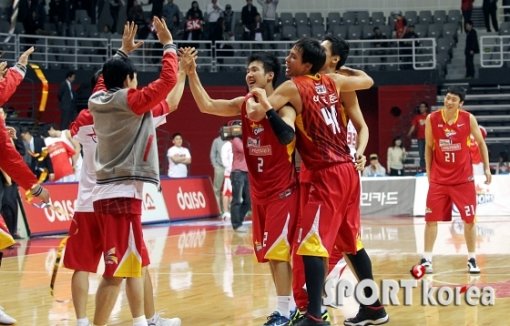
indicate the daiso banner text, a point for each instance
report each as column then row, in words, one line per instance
column 189, row 198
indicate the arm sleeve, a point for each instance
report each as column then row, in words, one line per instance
column 12, row 162
column 283, row 131
column 10, row 82
column 143, row 100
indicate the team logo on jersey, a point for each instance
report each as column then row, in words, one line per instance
column 256, row 128
column 252, row 142
column 320, row 89
column 445, row 142
column 260, row 150
column 92, row 135
column 258, row 246
column 449, row 133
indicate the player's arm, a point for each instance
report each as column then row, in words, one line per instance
column 174, row 97
column 219, row 107
column 429, row 145
column 475, row 131
column 284, row 94
column 187, row 158
column 353, row 111
column 411, row 130
column 355, row 80
column 76, row 147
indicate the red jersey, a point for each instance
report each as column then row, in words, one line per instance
column 270, row 164
column 321, row 134
column 451, row 157
column 476, row 157
column 61, row 155
column 419, row 125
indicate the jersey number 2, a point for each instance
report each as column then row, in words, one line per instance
column 260, row 164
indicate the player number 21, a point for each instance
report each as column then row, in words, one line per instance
column 470, row 210
column 331, row 118
column 449, row 157
column 260, row 164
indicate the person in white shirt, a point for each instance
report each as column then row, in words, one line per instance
column 226, row 158
column 178, row 158
column 396, row 157
column 374, row 169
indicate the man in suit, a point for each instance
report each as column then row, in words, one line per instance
column 472, row 48
column 66, row 98
column 35, row 148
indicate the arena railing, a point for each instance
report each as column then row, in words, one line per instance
column 494, row 51
column 54, row 52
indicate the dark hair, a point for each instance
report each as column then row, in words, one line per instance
column 270, row 62
column 398, row 138
column 116, row 70
column 311, row 52
column 456, row 90
column 339, row 47
column 176, row 134
column 94, row 78
column 470, row 22
column 70, row 73
column 25, row 130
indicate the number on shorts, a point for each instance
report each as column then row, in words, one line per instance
column 260, row 164
column 264, row 240
column 331, row 118
column 449, row 157
column 470, row 210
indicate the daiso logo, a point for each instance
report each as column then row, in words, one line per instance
column 190, row 200
column 60, row 210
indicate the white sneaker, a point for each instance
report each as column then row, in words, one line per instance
column 160, row 321
column 428, row 266
column 241, row 229
column 5, row 319
column 226, row 216
column 473, row 267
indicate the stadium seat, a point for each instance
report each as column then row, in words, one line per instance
column 301, row 18
column 411, row 17
column 288, row 33
column 435, row 30
column 378, row 18
column 316, row 18
column 363, row 18
column 440, row 16
column 450, row 29
column 354, row 32
column 286, row 18
column 367, row 31
column 303, row 31
column 333, row 19
column 454, row 16
column 318, row 31
column 349, row 17
column 421, row 30
column 426, row 17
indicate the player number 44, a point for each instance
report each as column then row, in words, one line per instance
column 331, row 118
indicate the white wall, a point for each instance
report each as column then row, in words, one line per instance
column 339, row 5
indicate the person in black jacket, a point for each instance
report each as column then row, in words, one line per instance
column 471, row 49
column 66, row 98
column 490, row 11
column 35, row 148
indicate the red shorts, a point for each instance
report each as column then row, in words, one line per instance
column 273, row 227
column 440, row 199
column 83, row 248
column 330, row 215
column 122, row 239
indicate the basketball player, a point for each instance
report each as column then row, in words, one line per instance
column 83, row 250
column 335, row 185
column 126, row 157
column 450, row 173
column 272, row 177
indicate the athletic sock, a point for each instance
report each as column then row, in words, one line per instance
column 283, row 306
column 140, row 321
column 471, row 255
column 427, row 255
column 83, row 322
column 363, row 269
column 314, row 275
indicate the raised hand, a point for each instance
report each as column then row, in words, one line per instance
column 3, row 68
column 23, row 58
column 188, row 58
column 128, row 38
column 162, row 31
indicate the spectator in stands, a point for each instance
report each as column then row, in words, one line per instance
column 396, row 157
column 66, row 98
column 179, row 158
column 503, row 164
column 219, row 168
column 41, row 168
column 157, row 8
column 61, row 14
column 374, row 169
column 506, row 10
column 172, row 15
column 268, row 18
column 258, row 29
column 472, row 48
column 400, row 25
column 227, row 157
column 115, row 6
column 228, row 16
column 418, row 125
column 194, row 22
column 248, row 14
column 379, row 45
column 489, row 11
column 467, row 10
column 214, row 12
column 136, row 15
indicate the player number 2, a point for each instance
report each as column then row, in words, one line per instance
column 331, row 118
column 449, row 157
column 470, row 210
column 260, row 164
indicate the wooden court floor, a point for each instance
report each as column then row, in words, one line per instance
column 207, row 275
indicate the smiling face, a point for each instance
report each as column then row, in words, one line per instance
column 294, row 65
column 452, row 101
column 256, row 75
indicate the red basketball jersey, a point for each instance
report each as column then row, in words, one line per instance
column 451, row 157
column 320, row 132
column 270, row 164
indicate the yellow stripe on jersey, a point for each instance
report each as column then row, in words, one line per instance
column 359, row 244
column 290, row 149
column 131, row 263
column 280, row 250
column 443, row 111
column 311, row 245
column 299, row 125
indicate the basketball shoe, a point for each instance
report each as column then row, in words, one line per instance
column 5, row 319
column 276, row 319
column 307, row 320
column 472, row 266
column 157, row 320
column 428, row 266
column 368, row 316
column 298, row 315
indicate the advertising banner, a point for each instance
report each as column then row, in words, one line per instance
column 387, row 196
